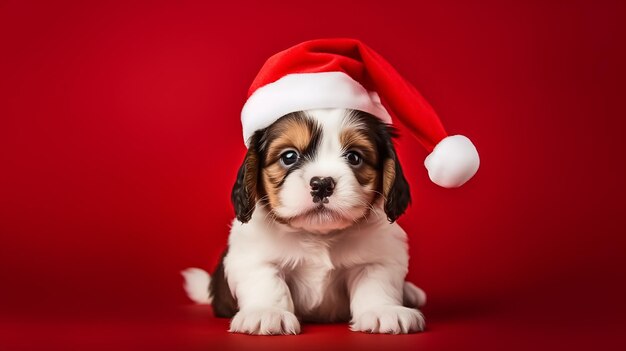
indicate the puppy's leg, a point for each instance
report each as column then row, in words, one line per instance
column 376, row 294
column 265, row 304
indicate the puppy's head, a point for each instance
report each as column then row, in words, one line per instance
column 321, row 170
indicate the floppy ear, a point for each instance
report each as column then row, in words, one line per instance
column 395, row 187
column 244, row 193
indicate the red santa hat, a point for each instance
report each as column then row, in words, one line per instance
column 345, row 73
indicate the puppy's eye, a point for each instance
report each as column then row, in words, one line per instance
column 354, row 158
column 289, row 157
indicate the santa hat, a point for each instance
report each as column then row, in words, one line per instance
column 345, row 73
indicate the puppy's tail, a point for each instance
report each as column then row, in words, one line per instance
column 413, row 296
column 197, row 285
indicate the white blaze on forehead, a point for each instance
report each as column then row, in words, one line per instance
column 331, row 122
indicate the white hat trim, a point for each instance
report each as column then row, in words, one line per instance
column 306, row 91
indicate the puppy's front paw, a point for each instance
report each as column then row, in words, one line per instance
column 389, row 320
column 267, row 321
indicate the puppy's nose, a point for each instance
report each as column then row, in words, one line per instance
column 321, row 188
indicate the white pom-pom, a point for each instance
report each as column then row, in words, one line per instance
column 453, row 162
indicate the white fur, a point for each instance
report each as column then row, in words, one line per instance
column 197, row 285
column 273, row 267
column 265, row 321
column 306, row 91
column 277, row 271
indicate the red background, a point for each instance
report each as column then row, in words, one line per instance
column 120, row 141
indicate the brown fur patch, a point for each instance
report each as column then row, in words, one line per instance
column 389, row 175
column 272, row 177
column 357, row 138
column 366, row 175
column 294, row 131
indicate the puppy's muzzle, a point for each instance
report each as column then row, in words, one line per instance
column 322, row 188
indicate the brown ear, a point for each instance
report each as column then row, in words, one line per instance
column 244, row 193
column 396, row 189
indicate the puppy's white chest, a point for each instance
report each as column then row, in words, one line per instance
column 312, row 280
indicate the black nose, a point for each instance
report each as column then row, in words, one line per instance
column 321, row 188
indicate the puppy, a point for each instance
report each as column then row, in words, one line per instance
column 315, row 238
column 319, row 192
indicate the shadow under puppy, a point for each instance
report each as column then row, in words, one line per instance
column 316, row 200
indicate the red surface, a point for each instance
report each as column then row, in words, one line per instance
column 119, row 142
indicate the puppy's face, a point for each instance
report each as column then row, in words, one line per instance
column 321, row 170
